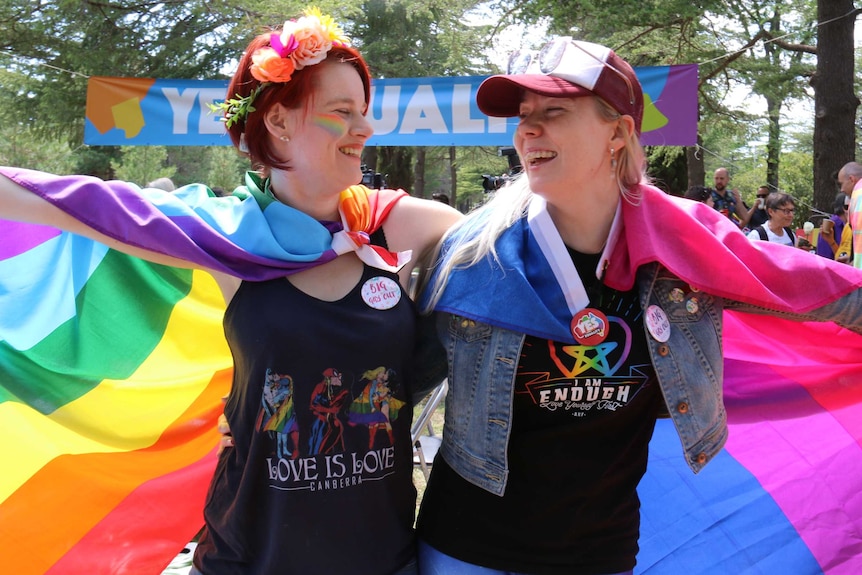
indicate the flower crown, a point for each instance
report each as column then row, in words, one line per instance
column 301, row 43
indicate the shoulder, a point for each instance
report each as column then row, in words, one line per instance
column 418, row 224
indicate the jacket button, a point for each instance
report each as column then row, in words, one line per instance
column 682, row 407
column 663, row 350
column 701, row 458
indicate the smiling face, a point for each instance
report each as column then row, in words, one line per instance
column 564, row 145
column 325, row 137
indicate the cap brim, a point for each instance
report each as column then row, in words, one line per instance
column 501, row 95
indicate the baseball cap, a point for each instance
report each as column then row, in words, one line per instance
column 564, row 68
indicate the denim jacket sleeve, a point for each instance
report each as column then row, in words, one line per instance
column 689, row 366
column 845, row 311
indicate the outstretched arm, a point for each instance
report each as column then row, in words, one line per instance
column 19, row 204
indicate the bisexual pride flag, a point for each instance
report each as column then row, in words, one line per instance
column 785, row 495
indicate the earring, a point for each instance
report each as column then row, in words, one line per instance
column 613, row 159
column 284, row 138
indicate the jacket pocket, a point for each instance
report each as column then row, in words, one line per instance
column 468, row 330
column 681, row 302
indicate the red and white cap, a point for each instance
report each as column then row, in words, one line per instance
column 580, row 69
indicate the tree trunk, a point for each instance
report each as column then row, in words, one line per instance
column 773, row 143
column 835, row 101
column 419, row 173
column 453, row 177
column 396, row 165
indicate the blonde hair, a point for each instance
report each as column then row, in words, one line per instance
column 475, row 236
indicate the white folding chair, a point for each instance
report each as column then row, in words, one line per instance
column 425, row 441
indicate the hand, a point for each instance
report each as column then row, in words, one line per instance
column 226, row 439
column 736, row 196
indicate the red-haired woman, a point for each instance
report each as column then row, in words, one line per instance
column 317, row 293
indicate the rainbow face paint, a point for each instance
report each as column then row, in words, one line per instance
column 332, row 123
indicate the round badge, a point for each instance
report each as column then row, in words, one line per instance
column 692, row 306
column 657, row 323
column 381, row 292
column 590, row 327
column 677, row 295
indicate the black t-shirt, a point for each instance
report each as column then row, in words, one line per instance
column 320, row 478
column 583, row 418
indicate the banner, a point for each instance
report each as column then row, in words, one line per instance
column 403, row 111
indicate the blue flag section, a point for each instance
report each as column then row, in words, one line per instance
column 403, row 111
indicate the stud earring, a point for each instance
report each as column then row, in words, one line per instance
column 284, row 138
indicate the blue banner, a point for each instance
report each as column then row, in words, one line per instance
column 403, row 111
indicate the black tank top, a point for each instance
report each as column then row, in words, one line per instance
column 320, row 478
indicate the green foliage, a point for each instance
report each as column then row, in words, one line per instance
column 407, row 39
column 142, row 164
column 473, row 163
column 47, row 50
column 667, row 168
column 226, row 168
column 23, row 147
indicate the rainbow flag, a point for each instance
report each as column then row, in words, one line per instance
column 785, row 496
column 111, row 377
column 112, row 369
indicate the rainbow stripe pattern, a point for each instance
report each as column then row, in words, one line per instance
column 113, row 369
column 111, row 374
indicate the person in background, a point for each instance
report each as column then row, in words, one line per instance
column 832, row 228
column 848, row 177
column 729, row 202
column 545, row 437
column 758, row 212
column 332, row 307
column 165, row 184
column 440, row 197
column 781, row 208
column 845, row 248
column 700, row 194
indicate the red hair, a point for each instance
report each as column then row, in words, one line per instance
column 293, row 94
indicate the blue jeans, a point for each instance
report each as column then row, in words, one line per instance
column 409, row 569
column 433, row 562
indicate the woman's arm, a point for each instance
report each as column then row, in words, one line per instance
column 19, row 204
column 418, row 224
column 845, row 311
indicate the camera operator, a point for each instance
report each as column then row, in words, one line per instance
column 491, row 183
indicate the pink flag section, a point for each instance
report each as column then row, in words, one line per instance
column 794, row 399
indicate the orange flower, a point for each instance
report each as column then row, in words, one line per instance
column 268, row 66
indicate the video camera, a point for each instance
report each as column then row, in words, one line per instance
column 491, row 183
column 372, row 179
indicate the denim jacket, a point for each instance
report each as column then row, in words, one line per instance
column 689, row 366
